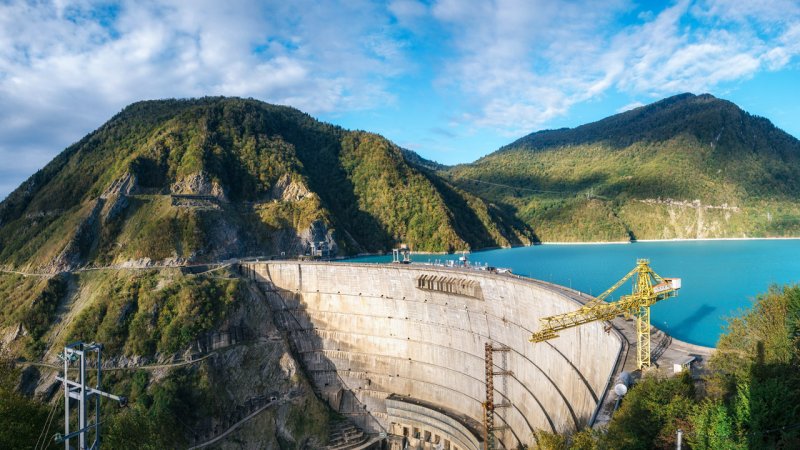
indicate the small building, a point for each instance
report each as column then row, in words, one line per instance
column 401, row 255
column 679, row 365
column 320, row 249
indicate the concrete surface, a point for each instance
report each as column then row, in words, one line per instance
column 366, row 331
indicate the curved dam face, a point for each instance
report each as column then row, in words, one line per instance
column 401, row 349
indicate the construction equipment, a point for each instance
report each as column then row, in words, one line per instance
column 648, row 288
column 489, row 406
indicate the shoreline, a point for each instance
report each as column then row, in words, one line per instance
column 720, row 239
column 584, row 243
column 670, row 240
column 636, row 241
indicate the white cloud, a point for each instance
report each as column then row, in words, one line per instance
column 630, row 106
column 509, row 66
column 408, row 11
column 67, row 66
column 522, row 63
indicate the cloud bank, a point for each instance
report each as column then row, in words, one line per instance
column 509, row 66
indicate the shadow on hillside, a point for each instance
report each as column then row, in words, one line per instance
column 467, row 223
column 359, row 230
column 306, row 343
column 774, row 404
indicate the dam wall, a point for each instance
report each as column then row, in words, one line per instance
column 365, row 332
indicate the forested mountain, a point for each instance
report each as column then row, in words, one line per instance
column 165, row 183
column 206, row 179
column 176, row 181
column 684, row 167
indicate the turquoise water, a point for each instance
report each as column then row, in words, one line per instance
column 719, row 277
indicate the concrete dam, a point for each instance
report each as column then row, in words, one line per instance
column 400, row 349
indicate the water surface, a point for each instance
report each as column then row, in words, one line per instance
column 719, row 277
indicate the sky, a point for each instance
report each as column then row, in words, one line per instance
column 452, row 80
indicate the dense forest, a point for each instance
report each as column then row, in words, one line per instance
column 260, row 180
column 272, row 180
column 174, row 182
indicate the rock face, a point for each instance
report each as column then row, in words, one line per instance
column 124, row 185
column 199, row 184
column 289, row 190
column 80, row 242
column 318, row 237
column 257, row 368
column 241, row 365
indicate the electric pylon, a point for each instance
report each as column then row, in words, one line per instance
column 77, row 390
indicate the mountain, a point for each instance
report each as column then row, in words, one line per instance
column 164, row 183
column 169, row 182
column 207, row 179
column 689, row 166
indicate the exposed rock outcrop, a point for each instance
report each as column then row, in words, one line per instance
column 83, row 238
column 289, row 190
column 199, row 183
column 318, row 237
column 125, row 185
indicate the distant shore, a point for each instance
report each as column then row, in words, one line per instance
column 416, row 253
column 722, row 239
column 584, row 243
column 674, row 240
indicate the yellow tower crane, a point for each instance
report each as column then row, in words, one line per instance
column 648, row 288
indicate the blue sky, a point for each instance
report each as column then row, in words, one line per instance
column 451, row 79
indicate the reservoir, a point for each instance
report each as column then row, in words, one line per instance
column 720, row 278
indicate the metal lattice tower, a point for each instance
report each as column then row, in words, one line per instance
column 648, row 288
column 489, row 406
column 77, row 390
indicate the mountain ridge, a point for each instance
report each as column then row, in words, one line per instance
column 190, row 181
column 606, row 180
column 640, row 123
column 265, row 179
column 272, row 180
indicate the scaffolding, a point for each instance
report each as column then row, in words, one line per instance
column 489, row 406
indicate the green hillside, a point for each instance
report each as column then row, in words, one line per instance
column 165, row 183
column 212, row 178
column 684, row 167
column 171, row 341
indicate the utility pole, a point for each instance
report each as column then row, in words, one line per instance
column 77, row 389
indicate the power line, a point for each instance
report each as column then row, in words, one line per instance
column 42, row 439
column 453, row 178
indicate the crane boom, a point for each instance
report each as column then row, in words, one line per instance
column 648, row 288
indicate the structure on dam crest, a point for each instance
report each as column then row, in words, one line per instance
column 400, row 349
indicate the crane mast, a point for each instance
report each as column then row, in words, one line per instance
column 648, row 288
